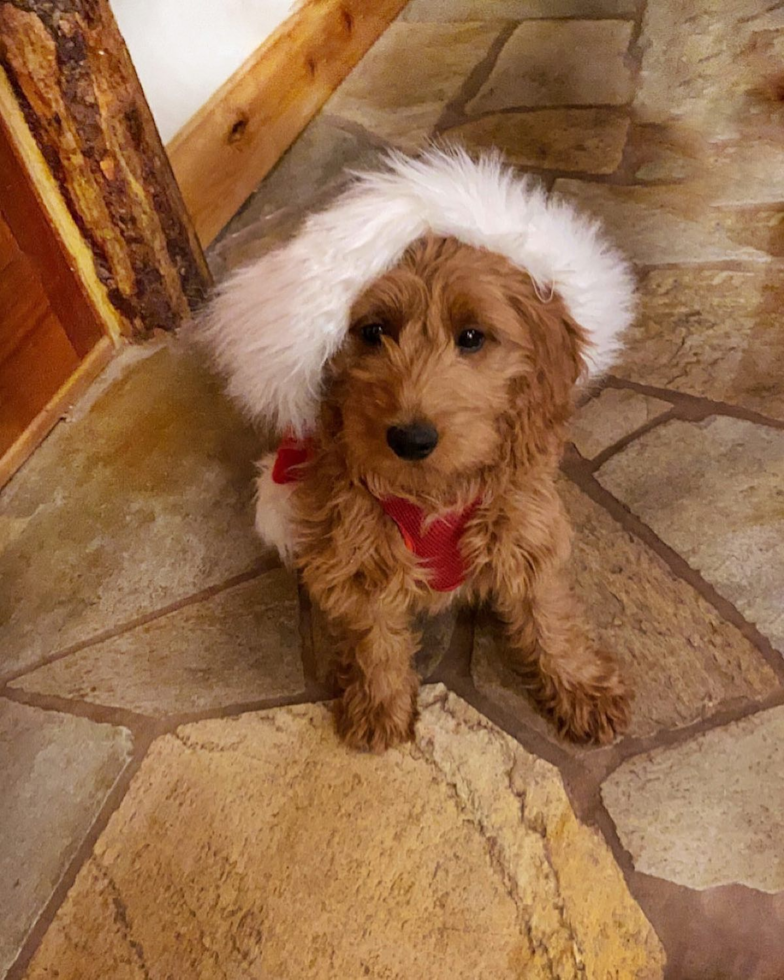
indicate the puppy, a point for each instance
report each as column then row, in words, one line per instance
column 419, row 344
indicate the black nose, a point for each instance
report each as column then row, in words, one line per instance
column 412, row 441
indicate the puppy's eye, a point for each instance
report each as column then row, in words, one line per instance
column 372, row 333
column 470, row 340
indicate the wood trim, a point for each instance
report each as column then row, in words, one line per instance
column 68, row 72
column 234, row 140
column 58, row 406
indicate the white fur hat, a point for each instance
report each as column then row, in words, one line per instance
column 274, row 324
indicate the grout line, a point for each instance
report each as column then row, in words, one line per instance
column 167, row 722
column 582, row 476
column 593, row 18
column 453, row 113
column 750, row 18
column 517, row 21
column 114, row 798
column 554, row 174
column 624, row 173
column 315, row 689
column 717, row 265
column 101, row 714
column 174, row 721
column 594, row 813
column 463, row 686
column 620, row 444
column 738, row 710
column 353, row 128
column 443, row 131
column 694, row 408
column 260, row 568
column 456, row 661
column 616, row 108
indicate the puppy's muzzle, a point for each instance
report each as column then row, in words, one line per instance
column 415, row 441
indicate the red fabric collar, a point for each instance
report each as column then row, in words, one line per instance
column 438, row 547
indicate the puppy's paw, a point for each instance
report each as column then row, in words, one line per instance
column 595, row 710
column 375, row 726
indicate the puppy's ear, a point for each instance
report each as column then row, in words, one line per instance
column 558, row 347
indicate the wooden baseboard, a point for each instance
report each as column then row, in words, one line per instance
column 56, row 407
column 223, row 152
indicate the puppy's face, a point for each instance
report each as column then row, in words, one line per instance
column 450, row 355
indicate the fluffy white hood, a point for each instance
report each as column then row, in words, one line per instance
column 274, row 324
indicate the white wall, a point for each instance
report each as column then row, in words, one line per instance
column 184, row 50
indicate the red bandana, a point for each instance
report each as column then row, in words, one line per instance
column 438, row 546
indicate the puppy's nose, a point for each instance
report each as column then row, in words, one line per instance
column 412, row 441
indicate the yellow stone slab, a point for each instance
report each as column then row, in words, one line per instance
column 258, row 847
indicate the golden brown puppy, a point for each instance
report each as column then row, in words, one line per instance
column 427, row 377
column 453, row 340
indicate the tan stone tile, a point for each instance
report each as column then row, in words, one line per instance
column 711, row 332
column 463, row 10
column 143, row 499
column 713, row 492
column 239, row 646
column 56, row 771
column 610, row 416
column 588, row 140
column 759, row 228
column 681, row 659
column 746, row 172
column 302, row 859
column 312, row 172
column 706, row 70
column 400, row 88
column 709, row 812
column 664, row 225
column 560, row 62
column 668, row 154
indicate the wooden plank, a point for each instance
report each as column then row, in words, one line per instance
column 48, row 322
column 67, row 70
column 57, row 407
column 223, row 152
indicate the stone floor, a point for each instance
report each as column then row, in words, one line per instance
column 173, row 803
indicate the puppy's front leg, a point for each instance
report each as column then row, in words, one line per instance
column 378, row 706
column 575, row 684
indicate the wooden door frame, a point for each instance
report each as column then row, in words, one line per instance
column 92, row 337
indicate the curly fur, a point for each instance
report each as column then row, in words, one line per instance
column 500, row 413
